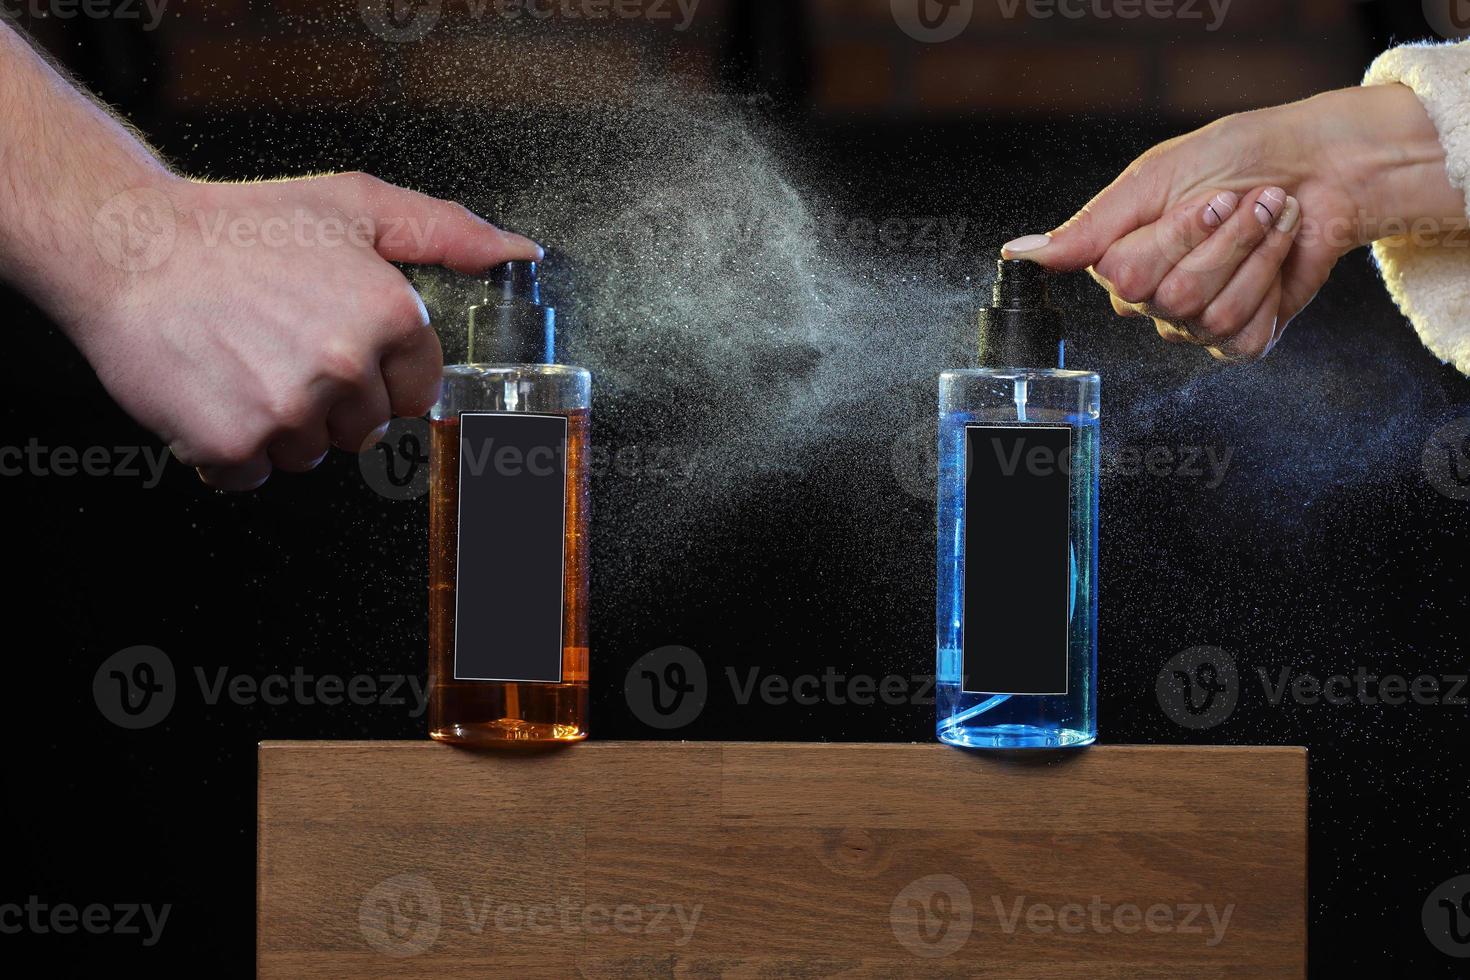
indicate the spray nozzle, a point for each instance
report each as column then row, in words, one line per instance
column 1020, row 328
column 512, row 326
column 512, row 280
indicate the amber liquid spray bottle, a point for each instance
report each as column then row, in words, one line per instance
column 508, row 534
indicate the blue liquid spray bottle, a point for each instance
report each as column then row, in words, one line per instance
column 1018, row 488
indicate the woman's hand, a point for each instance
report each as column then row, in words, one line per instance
column 1222, row 236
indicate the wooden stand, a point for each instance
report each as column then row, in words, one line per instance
column 722, row 859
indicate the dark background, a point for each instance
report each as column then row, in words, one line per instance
column 1325, row 549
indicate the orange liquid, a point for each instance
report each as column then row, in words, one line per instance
column 488, row 712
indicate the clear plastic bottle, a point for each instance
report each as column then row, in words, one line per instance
column 508, row 530
column 1017, row 520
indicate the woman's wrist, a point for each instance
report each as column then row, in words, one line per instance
column 1386, row 151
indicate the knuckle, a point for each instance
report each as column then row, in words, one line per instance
column 232, row 448
column 1167, row 299
column 1220, row 321
column 1232, row 354
column 290, row 409
column 358, row 181
column 1223, row 319
column 400, row 310
column 341, row 362
column 1180, row 297
column 1130, row 281
column 1250, row 349
column 1242, row 346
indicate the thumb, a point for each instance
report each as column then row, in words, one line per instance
column 1086, row 237
column 423, row 230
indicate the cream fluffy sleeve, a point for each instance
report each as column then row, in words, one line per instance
column 1431, row 284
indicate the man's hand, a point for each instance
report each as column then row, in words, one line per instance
column 1222, row 236
column 252, row 326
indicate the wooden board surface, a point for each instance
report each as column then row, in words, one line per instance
column 720, row 859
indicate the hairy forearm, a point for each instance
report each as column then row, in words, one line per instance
column 63, row 159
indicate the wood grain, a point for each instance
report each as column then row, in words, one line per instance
column 719, row 859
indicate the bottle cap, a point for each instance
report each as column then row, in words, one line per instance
column 512, row 326
column 1020, row 328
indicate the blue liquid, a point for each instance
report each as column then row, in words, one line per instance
column 1020, row 721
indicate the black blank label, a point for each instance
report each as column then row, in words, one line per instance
column 1017, row 559
column 512, row 547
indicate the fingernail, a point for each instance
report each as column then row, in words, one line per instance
column 1270, row 206
column 1026, row 243
column 1289, row 216
column 1221, row 207
column 514, row 240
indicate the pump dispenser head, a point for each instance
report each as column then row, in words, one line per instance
column 1020, row 328
column 512, row 326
